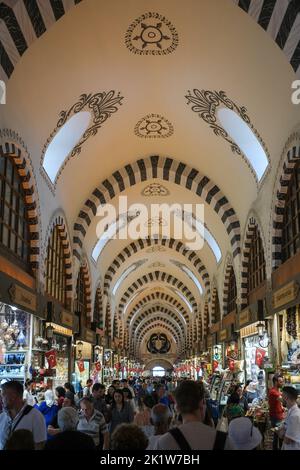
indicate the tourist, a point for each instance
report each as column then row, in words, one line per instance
column 87, row 391
column 49, row 409
column 71, row 440
column 18, row 415
column 276, row 410
column 60, row 394
column 109, row 397
column 243, row 434
column 121, row 411
column 92, row 422
column 290, row 429
column 125, row 384
column 98, row 393
column 143, row 415
column 193, row 434
column 233, row 408
column 69, row 402
column 128, row 437
column 28, row 397
column 161, row 420
column 69, row 387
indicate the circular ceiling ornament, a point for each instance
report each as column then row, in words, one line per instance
column 155, row 189
column 154, row 126
column 151, row 34
column 158, row 344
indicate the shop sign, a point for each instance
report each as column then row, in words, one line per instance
column 286, row 294
column 67, row 319
column 90, row 336
column 245, row 317
column 22, row 297
column 223, row 335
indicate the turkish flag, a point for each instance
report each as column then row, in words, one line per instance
column 98, row 366
column 215, row 365
column 259, row 357
column 51, row 358
column 231, row 364
column 80, row 365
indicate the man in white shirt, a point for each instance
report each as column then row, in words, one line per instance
column 193, row 434
column 92, row 422
column 27, row 395
column 291, row 427
column 18, row 415
column 160, row 418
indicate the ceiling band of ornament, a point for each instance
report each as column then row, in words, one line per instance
column 26, row 21
column 155, row 189
column 157, row 309
column 101, row 106
column 149, row 321
column 166, row 169
column 206, row 103
column 151, row 34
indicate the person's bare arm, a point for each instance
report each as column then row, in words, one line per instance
column 52, row 431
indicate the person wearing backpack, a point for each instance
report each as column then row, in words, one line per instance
column 18, row 415
column 192, row 434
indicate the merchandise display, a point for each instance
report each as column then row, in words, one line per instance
column 255, row 356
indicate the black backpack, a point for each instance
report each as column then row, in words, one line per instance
column 219, row 443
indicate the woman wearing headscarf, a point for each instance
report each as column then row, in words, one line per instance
column 48, row 408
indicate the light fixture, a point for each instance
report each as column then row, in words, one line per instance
column 260, row 329
column 49, row 332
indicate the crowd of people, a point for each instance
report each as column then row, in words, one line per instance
column 140, row 414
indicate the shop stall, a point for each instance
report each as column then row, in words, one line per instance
column 84, row 359
column 59, row 333
column 17, row 306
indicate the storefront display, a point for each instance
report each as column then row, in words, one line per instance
column 255, row 356
column 82, row 369
column 57, row 359
column 15, row 342
column 217, row 358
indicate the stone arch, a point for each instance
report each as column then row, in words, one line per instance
column 162, row 168
column 228, row 266
column 252, row 224
column 289, row 159
column 162, row 277
column 13, row 146
column 58, row 220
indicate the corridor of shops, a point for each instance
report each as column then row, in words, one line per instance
column 150, row 225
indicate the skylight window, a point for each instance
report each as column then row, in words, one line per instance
column 122, row 277
column 192, row 276
column 184, row 299
column 243, row 136
column 64, row 142
column 110, row 233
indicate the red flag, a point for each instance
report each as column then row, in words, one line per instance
column 231, row 364
column 259, row 357
column 98, row 366
column 51, row 358
column 80, row 365
column 215, row 365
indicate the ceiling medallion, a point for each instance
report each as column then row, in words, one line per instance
column 154, row 126
column 156, row 221
column 158, row 344
column 155, row 189
column 205, row 103
column 151, row 34
column 157, row 264
column 154, row 249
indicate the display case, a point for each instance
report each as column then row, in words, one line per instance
column 14, row 343
column 215, row 386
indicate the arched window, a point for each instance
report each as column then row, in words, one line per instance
column 291, row 217
column 81, row 301
column 217, row 316
column 14, row 232
column 55, row 268
column 257, row 264
column 232, row 292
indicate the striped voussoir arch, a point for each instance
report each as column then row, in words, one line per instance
column 205, row 320
column 252, row 225
column 160, row 317
column 107, row 322
column 142, row 244
column 59, row 222
column 98, row 307
column 214, row 297
column 229, row 267
column 292, row 158
column 153, row 311
column 159, row 296
column 280, row 20
column 163, row 168
column 87, row 288
column 161, row 277
column 24, row 21
column 199, row 328
column 11, row 150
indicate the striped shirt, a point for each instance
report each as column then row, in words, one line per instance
column 93, row 426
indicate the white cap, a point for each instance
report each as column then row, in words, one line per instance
column 243, row 434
